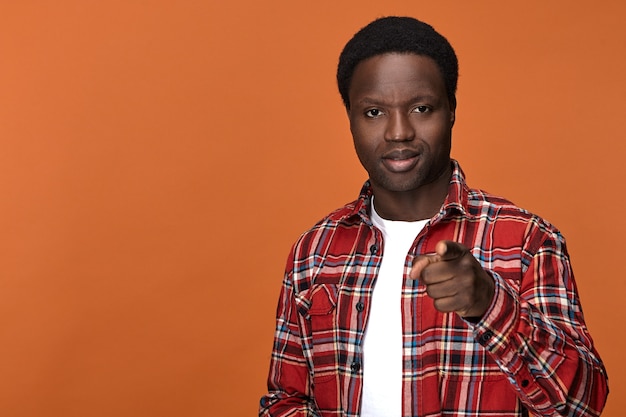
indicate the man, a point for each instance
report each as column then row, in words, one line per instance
column 424, row 297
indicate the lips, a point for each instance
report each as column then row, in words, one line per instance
column 400, row 160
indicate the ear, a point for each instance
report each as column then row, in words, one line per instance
column 452, row 104
column 349, row 114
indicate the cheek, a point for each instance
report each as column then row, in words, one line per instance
column 438, row 134
column 363, row 136
column 365, row 150
column 361, row 148
column 356, row 129
column 366, row 146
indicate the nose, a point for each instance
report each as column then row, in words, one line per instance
column 399, row 127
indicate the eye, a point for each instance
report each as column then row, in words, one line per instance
column 421, row 109
column 373, row 113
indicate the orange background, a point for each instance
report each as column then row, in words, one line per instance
column 158, row 158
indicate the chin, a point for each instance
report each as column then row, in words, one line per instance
column 396, row 186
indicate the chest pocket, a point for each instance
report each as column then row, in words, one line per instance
column 323, row 306
column 318, row 307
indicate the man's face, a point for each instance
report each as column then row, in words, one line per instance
column 401, row 121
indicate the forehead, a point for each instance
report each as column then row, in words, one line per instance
column 407, row 72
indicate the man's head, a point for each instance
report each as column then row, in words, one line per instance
column 400, row 35
column 397, row 78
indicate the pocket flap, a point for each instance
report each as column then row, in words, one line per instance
column 320, row 300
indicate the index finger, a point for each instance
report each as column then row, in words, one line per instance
column 449, row 250
column 445, row 250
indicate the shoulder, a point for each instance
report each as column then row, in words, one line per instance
column 336, row 235
column 477, row 205
column 506, row 215
column 342, row 218
column 480, row 201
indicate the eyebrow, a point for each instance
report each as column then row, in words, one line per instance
column 368, row 100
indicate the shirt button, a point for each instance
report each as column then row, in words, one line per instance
column 525, row 383
column 486, row 337
column 373, row 249
column 356, row 366
column 360, row 306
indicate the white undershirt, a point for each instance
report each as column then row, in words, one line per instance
column 382, row 345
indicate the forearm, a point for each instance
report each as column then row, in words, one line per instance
column 551, row 363
column 288, row 380
column 282, row 404
column 288, row 388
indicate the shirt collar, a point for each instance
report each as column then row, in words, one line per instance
column 456, row 199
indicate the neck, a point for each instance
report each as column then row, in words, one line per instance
column 419, row 204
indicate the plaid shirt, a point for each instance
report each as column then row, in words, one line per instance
column 530, row 354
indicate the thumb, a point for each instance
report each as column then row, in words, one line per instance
column 420, row 262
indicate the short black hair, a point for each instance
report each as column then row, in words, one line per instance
column 401, row 35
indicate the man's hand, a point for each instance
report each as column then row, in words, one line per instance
column 454, row 280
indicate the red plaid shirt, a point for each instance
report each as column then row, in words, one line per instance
column 530, row 354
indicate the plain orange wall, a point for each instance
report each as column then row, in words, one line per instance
column 158, row 158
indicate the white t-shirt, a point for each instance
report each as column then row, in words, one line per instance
column 382, row 345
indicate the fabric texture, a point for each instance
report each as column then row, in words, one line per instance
column 530, row 354
column 382, row 343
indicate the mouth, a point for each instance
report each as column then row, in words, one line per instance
column 400, row 160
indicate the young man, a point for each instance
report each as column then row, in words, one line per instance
column 425, row 297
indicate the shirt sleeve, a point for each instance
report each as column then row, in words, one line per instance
column 288, row 380
column 536, row 332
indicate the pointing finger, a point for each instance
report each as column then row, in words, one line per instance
column 445, row 250
column 449, row 250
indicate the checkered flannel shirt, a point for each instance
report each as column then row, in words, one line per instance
column 530, row 354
